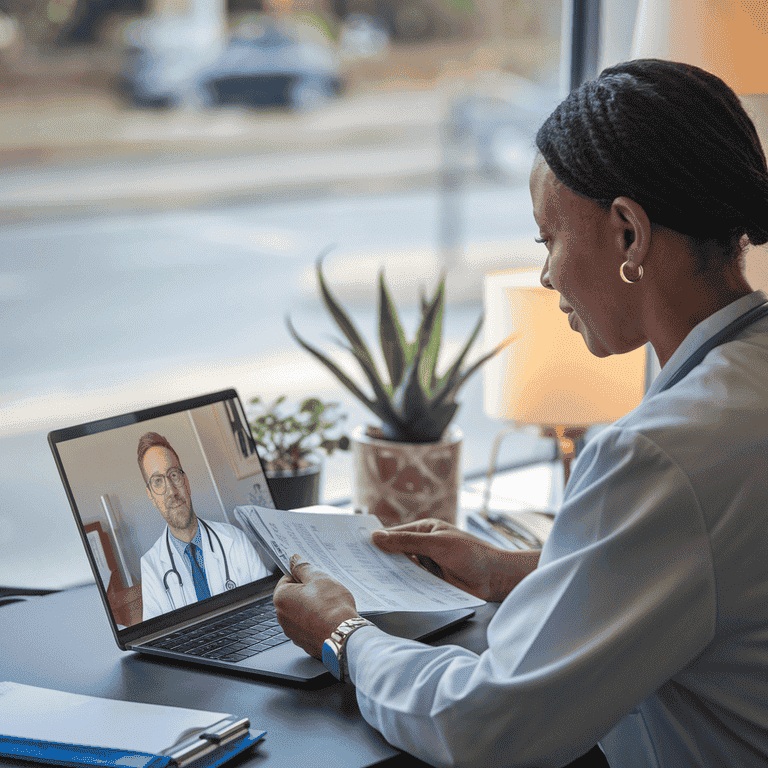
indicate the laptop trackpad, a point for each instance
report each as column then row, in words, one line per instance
column 286, row 660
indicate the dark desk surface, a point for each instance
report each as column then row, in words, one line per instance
column 63, row 641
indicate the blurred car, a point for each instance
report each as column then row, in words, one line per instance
column 264, row 63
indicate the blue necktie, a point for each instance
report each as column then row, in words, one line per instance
column 195, row 557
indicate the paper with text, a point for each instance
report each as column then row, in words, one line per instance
column 340, row 545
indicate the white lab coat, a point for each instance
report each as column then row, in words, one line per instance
column 244, row 566
column 645, row 626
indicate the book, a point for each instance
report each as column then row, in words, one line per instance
column 49, row 726
column 340, row 545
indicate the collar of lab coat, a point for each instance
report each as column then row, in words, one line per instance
column 215, row 571
column 701, row 334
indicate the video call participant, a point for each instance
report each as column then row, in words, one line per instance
column 192, row 559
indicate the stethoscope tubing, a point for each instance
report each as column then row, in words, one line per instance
column 729, row 333
column 228, row 583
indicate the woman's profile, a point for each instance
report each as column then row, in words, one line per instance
column 644, row 624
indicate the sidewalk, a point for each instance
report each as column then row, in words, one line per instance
column 81, row 159
column 144, row 160
column 354, row 274
column 63, row 106
column 90, row 126
column 70, row 147
column 130, row 185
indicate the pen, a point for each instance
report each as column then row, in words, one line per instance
column 483, row 526
column 510, row 526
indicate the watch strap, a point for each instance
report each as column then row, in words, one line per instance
column 334, row 648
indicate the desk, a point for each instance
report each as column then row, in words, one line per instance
column 63, row 641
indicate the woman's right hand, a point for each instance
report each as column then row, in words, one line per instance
column 465, row 561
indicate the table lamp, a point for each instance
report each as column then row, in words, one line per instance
column 728, row 38
column 548, row 377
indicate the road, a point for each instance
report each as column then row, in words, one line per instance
column 106, row 314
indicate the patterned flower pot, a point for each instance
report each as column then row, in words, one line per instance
column 401, row 482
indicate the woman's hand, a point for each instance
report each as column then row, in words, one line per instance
column 465, row 561
column 310, row 604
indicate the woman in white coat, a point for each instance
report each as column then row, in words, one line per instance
column 644, row 624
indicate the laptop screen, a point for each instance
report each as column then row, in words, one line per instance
column 154, row 492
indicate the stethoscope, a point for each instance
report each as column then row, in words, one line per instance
column 730, row 332
column 228, row 584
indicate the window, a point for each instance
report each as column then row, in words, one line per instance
column 154, row 239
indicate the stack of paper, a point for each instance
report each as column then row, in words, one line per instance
column 341, row 546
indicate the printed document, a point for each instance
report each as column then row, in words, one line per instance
column 340, row 545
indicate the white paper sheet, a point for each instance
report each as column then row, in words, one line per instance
column 29, row 712
column 340, row 545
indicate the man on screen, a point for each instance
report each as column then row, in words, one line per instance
column 192, row 559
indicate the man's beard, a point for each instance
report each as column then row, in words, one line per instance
column 180, row 514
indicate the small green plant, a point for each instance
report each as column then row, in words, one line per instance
column 287, row 437
column 416, row 404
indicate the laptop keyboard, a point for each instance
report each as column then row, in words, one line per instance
column 233, row 637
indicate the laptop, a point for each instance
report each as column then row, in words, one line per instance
column 139, row 484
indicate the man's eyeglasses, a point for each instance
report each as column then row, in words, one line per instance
column 158, row 483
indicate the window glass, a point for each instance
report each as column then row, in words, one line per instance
column 173, row 169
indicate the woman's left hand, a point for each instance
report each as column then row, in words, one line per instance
column 310, row 605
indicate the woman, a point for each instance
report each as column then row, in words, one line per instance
column 644, row 626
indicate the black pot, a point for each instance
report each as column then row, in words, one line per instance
column 291, row 490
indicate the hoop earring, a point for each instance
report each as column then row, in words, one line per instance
column 624, row 274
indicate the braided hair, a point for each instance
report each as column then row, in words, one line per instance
column 673, row 138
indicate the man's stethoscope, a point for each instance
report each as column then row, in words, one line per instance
column 228, row 584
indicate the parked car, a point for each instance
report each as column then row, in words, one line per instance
column 265, row 62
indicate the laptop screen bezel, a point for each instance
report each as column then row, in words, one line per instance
column 130, row 634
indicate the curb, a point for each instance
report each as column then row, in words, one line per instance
column 96, row 127
column 126, row 186
column 43, row 154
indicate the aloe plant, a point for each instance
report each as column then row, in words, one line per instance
column 414, row 402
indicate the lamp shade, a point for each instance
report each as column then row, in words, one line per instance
column 548, row 376
column 726, row 37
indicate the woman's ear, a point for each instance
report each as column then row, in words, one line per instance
column 632, row 229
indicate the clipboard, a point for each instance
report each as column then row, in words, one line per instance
column 51, row 726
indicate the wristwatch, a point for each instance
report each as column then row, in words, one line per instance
column 334, row 658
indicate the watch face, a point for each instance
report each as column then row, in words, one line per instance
column 331, row 660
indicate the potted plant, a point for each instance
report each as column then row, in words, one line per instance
column 407, row 466
column 291, row 442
